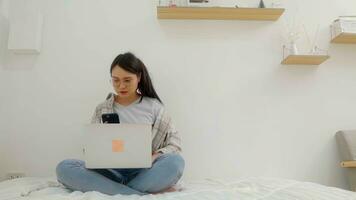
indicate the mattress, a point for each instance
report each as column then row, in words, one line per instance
column 32, row 188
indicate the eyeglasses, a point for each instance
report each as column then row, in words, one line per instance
column 116, row 81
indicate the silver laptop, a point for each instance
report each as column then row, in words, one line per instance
column 117, row 146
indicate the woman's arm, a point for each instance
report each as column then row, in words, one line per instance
column 168, row 137
column 96, row 117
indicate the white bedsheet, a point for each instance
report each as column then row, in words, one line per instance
column 247, row 189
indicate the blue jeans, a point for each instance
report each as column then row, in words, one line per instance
column 166, row 170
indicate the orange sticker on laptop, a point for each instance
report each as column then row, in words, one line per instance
column 117, row 146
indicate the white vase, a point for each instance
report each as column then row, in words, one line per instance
column 293, row 50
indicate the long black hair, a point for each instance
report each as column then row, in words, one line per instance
column 131, row 63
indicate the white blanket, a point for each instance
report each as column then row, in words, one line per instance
column 247, row 189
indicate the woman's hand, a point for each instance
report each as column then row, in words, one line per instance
column 155, row 156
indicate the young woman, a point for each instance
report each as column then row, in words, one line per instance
column 135, row 101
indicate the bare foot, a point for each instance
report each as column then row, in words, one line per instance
column 170, row 189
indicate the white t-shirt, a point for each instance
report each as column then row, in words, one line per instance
column 144, row 112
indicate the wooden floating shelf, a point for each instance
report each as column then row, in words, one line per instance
column 219, row 13
column 345, row 38
column 305, row 59
column 351, row 163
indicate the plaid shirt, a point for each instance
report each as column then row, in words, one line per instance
column 166, row 138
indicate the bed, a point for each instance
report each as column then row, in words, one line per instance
column 244, row 189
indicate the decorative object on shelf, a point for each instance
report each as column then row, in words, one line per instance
column 291, row 55
column 343, row 30
column 173, row 3
column 292, row 32
column 199, row 3
column 262, row 4
column 293, row 50
column 276, row 4
column 258, row 4
column 314, row 49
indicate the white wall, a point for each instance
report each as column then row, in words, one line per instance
column 3, row 41
column 4, row 30
column 4, row 7
column 239, row 111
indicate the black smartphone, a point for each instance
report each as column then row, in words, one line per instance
column 110, row 118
